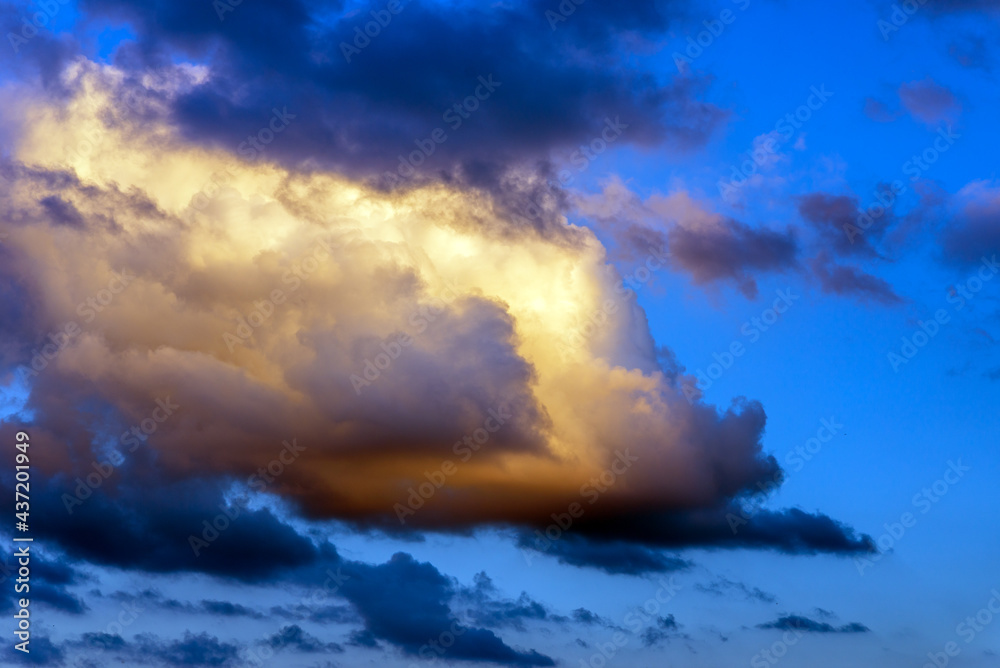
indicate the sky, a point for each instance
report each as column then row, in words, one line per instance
column 530, row 333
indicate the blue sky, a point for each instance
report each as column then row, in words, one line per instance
column 874, row 548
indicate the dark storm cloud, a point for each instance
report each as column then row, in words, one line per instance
column 552, row 89
column 406, row 603
column 799, row 623
column 614, row 557
column 151, row 531
column 629, row 543
column 51, row 578
column 58, row 599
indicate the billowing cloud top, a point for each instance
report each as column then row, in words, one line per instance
column 394, row 339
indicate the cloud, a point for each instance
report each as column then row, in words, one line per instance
column 293, row 637
column 103, row 641
column 663, row 629
column 487, row 608
column 614, row 557
column 51, row 579
column 359, row 112
column 832, row 216
column 227, row 609
column 799, row 623
column 971, row 51
column 929, row 102
column 406, row 603
column 584, row 616
column 481, row 339
column 363, row 638
column 791, row 531
column 729, row 249
column 199, row 649
column 851, row 281
column 139, row 530
column 971, row 224
column 43, row 652
column 721, row 586
column 961, row 6
column 706, row 245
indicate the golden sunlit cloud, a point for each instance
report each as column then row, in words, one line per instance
column 384, row 331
